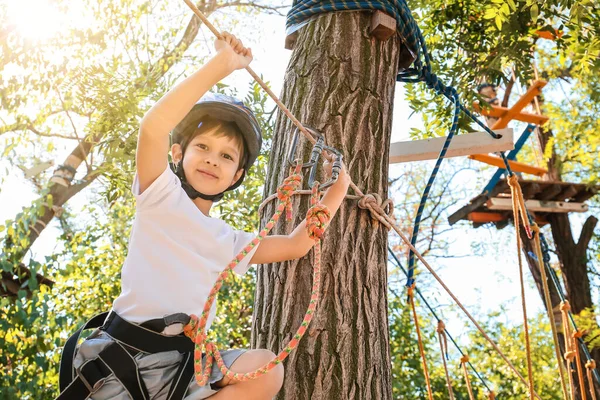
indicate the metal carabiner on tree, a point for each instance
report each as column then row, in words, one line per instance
column 318, row 148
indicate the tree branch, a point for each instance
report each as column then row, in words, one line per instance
column 586, row 234
column 508, row 91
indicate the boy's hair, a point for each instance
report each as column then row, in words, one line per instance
column 219, row 128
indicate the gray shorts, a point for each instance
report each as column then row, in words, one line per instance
column 157, row 371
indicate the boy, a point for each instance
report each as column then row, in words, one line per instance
column 177, row 250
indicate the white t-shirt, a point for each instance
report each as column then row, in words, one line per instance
column 175, row 254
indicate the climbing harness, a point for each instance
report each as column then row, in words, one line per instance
column 117, row 359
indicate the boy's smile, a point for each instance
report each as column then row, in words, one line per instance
column 211, row 163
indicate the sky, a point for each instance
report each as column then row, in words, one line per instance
column 483, row 283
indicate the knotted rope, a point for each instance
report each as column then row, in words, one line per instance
column 570, row 346
column 589, row 367
column 441, row 331
column 378, row 208
column 411, row 296
column 317, row 217
column 463, row 363
column 537, row 248
column 518, row 206
column 576, row 336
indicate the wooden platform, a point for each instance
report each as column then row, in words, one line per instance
column 461, row 145
column 544, row 198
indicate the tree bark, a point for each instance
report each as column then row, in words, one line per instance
column 341, row 82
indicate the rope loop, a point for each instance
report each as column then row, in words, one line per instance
column 286, row 190
column 590, row 364
column 565, row 306
column 318, row 215
column 441, row 327
column 464, row 359
column 378, row 208
column 519, row 204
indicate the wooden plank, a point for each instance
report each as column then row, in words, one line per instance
column 549, row 192
column 502, row 203
column 567, row 192
column 499, row 112
column 514, row 165
column 530, row 189
column 461, row 145
column 464, row 211
column 586, row 193
column 290, row 40
column 484, row 217
column 383, row 26
column 524, row 100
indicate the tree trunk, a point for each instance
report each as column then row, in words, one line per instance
column 572, row 255
column 341, row 82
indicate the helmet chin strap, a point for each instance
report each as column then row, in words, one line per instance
column 189, row 189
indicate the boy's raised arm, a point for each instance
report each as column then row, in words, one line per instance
column 159, row 121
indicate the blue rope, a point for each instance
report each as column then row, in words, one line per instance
column 302, row 10
column 398, row 264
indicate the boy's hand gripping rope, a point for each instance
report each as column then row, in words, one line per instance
column 317, row 219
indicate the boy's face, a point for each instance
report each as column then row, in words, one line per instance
column 210, row 163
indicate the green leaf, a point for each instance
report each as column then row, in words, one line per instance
column 534, row 10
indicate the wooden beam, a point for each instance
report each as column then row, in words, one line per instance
column 534, row 90
column 514, row 165
column 567, row 192
column 461, row 145
column 290, row 40
column 383, row 26
column 504, row 203
column 499, row 112
column 550, row 192
column 530, row 189
column 484, row 217
column 464, row 211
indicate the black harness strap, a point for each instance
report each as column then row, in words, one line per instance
column 117, row 359
column 182, row 379
column 144, row 339
column 66, row 372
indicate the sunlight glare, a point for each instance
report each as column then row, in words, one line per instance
column 35, row 19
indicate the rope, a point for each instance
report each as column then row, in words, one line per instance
column 317, row 219
column 537, row 247
column 447, row 334
column 518, row 206
column 441, row 331
column 576, row 336
column 458, row 303
column 463, row 361
column 589, row 367
column 411, row 296
column 565, row 307
column 559, row 289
